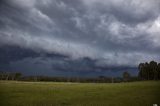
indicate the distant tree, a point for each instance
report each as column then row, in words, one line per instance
column 126, row 76
column 158, row 70
column 17, row 75
column 7, row 76
column 12, row 76
column 112, row 79
column 1, row 75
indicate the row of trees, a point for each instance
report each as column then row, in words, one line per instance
column 10, row 76
column 101, row 79
column 149, row 71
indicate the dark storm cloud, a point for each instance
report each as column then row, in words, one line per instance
column 115, row 33
column 65, row 67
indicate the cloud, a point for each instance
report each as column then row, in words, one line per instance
column 112, row 32
column 54, row 66
column 26, row 4
column 133, row 11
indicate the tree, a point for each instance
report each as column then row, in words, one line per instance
column 126, row 76
column 153, row 70
column 17, row 75
column 146, row 71
column 142, row 71
column 149, row 71
column 7, row 76
column 1, row 75
column 158, row 70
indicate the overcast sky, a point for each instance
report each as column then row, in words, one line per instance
column 79, row 35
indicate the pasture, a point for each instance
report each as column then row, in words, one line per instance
column 17, row 93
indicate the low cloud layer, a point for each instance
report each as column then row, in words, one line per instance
column 112, row 32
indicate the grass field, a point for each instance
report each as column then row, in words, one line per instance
column 14, row 93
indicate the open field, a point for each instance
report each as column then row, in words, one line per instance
column 14, row 93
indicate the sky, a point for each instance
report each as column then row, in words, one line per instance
column 78, row 37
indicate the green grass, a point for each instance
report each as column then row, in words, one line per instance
column 14, row 93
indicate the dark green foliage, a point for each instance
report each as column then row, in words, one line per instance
column 126, row 76
column 149, row 71
column 17, row 75
column 100, row 79
column 10, row 76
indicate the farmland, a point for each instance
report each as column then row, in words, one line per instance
column 17, row 93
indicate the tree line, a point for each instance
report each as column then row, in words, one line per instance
column 10, row 76
column 126, row 77
column 149, row 71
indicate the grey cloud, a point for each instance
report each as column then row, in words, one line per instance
column 133, row 11
column 63, row 66
column 113, row 32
